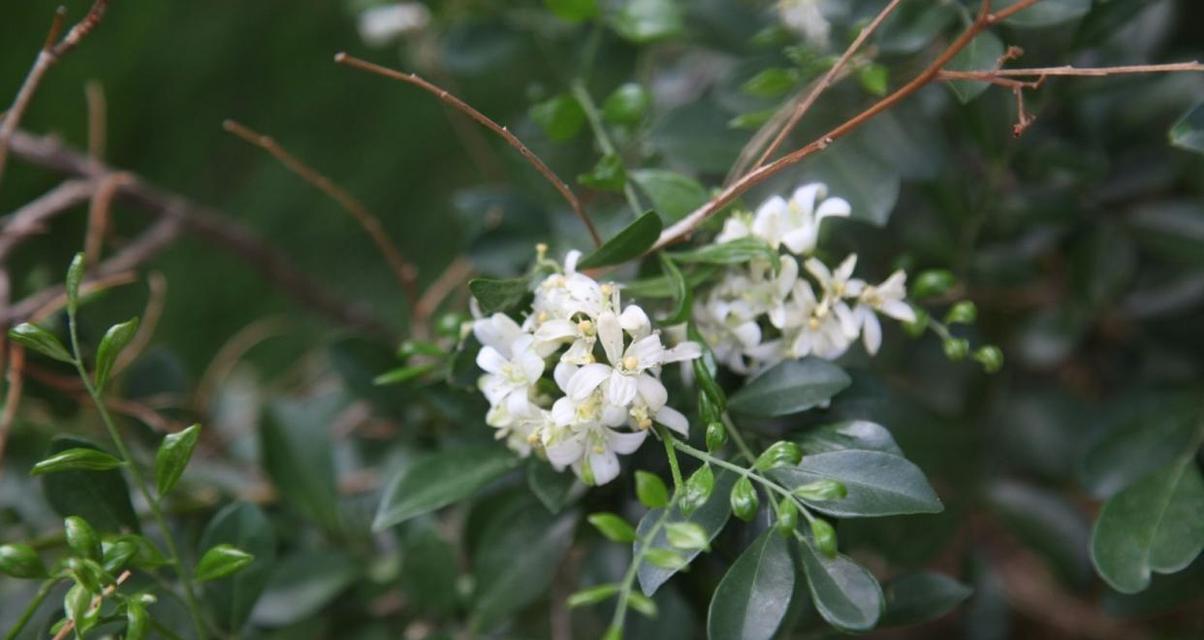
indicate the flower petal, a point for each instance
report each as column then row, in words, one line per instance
column 491, row 360
column 833, row 207
column 621, row 389
column 652, row 391
column 624, row 442
column 673, row 419
column 635, row 321
column 871, row 333
column 586, row 379
column 605, row 466
column 611, row 335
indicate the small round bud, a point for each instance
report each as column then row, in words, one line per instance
column 917, row 327
column 956, row 348
column 933, row 282
column 787, row 518
column 744, row 499
column 825, row 537
column 963, row 312
column 716, row 436
column 990, row 357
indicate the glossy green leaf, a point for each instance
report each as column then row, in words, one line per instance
column 439, row 479
column 298, row 454
column 520, row 550
column 667, row 559
column 673, row 195
column 111, row 345
column 878, row 484
column 631, row 242
column 40, row 340
column 790, row 387
column 1188, row 132
column 698, row 489
column 845, row 593
column 663, row 286
column 628, row 104
column 982, row 54
column 711, row 516
column 771, row 83
column 687, row 535
column 874, row 78
column 80, row 459
column 1160, row 430
column 614, row 527
column 81, row 538
column 1046, row 13
column 21, row 561
column 1154, row 525
column 572, row 10
column 243, row 526
column 738, row 251
column 100, row 497
column 137, row 620
column 852, row 434
column 172, row 457
column 593, row 595
column 220, row 561
column 751, row 601
column 607, row 175
column 498, row 295
column 651, row 490
column 561, row 117
column 75, row 275
column 920, row 597
column 644, row 21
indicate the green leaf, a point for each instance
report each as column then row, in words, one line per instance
column 852, row 434
column 845, row 593
column 744, row 499
column 651, row 490
column 628, row 104
column 682, row 295
column 913, row 26
column 982, row 54
column 920, row 597
column 114, row 341
column 771, row 82
column 439, row 479
column 631, row 242
column 304, row 583
column 874, row 78
column 80, row 459
column 173, row 456
column 593, row 595
column 854, row 169
column 879, row 484
column 561, row 117
column 21, row 561
column 699, row 487
column 663, row 286
column 404, row 374
column 614, row 527
column 751, row 601
column 1046, row 13
column 673, row 195
column 298, row 454
column 644, row 21
column 521, row 548
column 243, row 526
column 76, row 605
column 572, row 10
column 552, row 488
column 666, row 559
column 1154, row 525
column 40, row 340
column 221, row 561
column 101, row 497
column 688, row 536
column 498, row 295
column 790, row 387
column 137, row 621
column 607, row 175
column 75, row 275
column 1160, row 429
column 81, row 538
column 711, row 516
column 1188, row 132
column 732, row 252
column 1048, row 523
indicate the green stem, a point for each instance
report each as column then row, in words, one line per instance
column 604, row 142
column 734, row 433
column 748, row 473
column 32, row 608
column 140, row 480
column 671, row 454
column 637, row 559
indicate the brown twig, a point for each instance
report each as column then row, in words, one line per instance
column 71, row 386
column 824, row 82
column 402, row 269
column 156, row 285
column 99, row 215
column 49, row 54
column 992, row 75
column 504, row 132
column 66, row 629
column 203, row 222
column 984, row 19
column 31, row 219
column 12, row 396
column 230, row 353
column 450, row 280
column 94, row 93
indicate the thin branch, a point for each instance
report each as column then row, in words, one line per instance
column 403, row 270
column 450, row 280
column 50, row 54
column 12, row 396
column 991, row 75
column 208, row 224
column 156, row 298
column 826, row 81
column 94, row 93
column 32, row 218
column 66, row 629
column 463, row 107
column 99, row 215
column 985, row 18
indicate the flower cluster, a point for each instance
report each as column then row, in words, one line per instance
column 605, row 390
column 757, row 316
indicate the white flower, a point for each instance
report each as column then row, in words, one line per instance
column 381, row 25
column 792, row 223
column 510, row 376
column 805, row 18
column 498, row 331
column 888, row 298
column 627, row 372
column 591, row 450
column 814, row 328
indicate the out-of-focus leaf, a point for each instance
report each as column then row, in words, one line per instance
column 737, row 251
column 439, row 479
column 498, row 295
column 519, row 552
column 244, row 526
column 1048, row 524
column 631, row 242
column 982, row 54
column 1159, row 429
column 100, row 497
column 1188, row 132
column 852, row 434
column 856, row 173
column 560, row 117
column 878, row 484
column 628, row 104
column 770, row 83
column 790, row 387
column 1046, row 13
column 220, row 561
column 845, row 593
column 429, row 568
column 682, row 295
column 662, row 287
column 554, row 489
column 676, row 135
column 752, row 599
column 304, row 584
column 81, row 459
column 607, row 175
column 644, row 21
column 298, row 455
column 573, row 10
column 920, row 597
column 1154, row 525
column 913, row 25
column 672, row 194
column 711, row 516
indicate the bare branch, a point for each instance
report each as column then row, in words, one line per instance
column 403, row 270
column 32, row 218
column 94, row 93
column 992, row 75
column 463, row 107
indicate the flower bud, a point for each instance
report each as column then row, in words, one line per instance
column 787, row 517
column 825, row 537
column 698, row 489
column 822, row 490
column 779, row 454
column 716, row 436
column 963, row 312
column 744, row 499
column 917, row 327
column 956, row 348
column 933, row 282
column 990, row 357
